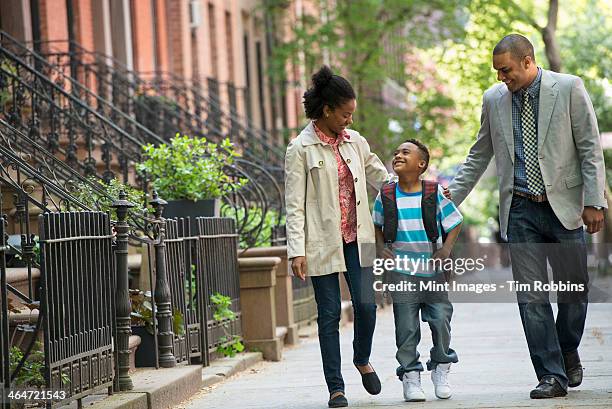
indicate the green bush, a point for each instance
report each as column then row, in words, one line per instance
column 249, row 226
column 93, row 199
column 190, row 168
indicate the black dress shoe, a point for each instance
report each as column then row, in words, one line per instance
column 548, row 387
column 370, row 382
column 338, row 402
column 573, row 368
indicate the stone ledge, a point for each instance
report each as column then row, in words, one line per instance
column 156, row 389
column 124, row 400
column 226, row 367
column 223, row 368
column 168, row 386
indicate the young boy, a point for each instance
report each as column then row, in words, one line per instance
column 410, row 160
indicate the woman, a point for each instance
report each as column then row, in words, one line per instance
column 329, row 226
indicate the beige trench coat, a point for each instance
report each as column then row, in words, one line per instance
column 313, row 204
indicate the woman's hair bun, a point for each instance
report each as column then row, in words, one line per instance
column 321, row 78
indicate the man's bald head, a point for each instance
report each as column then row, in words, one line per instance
column 517, row 45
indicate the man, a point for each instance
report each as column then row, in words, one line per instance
column 541, row 128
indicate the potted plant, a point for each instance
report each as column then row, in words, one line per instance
column 189, row 174
column 142, row 325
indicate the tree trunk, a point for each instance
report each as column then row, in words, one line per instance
column 549, row 36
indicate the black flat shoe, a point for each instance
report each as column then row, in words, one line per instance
column 573, row 368
column 370, row 382
column 548, row 388
column 338, row 402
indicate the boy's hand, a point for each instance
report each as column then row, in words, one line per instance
column 442, row 253
column 298, row 265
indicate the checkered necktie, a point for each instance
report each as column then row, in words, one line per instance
column 530, row 146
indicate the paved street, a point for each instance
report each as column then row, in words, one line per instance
column 494, row 369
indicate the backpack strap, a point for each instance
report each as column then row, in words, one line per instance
column 429, row 210
column 387, row 197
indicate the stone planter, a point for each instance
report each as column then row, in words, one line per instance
column 133, row 344
column 283, row 290
column 258, row 305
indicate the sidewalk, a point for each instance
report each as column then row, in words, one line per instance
column 494, row 370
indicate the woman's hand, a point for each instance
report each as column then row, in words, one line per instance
column 442, row 253
column 384, row 252
column 298, row 265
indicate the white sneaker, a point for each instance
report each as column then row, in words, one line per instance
column 439, row 377
column 413, row 392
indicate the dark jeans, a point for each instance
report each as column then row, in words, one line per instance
column 327, row 295
column 536, row 236
column 436, row 310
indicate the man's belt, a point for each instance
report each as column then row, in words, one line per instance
column 534, row 198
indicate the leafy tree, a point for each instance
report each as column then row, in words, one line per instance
column 366, row 41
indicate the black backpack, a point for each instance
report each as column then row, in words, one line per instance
column 429, row 210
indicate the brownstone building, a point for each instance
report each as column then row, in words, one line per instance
column 222, row 45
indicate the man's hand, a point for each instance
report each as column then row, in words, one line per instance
column 593, row 219
column 447, row 193
column 298, row 265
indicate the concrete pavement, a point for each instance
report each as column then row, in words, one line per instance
column 494, row 370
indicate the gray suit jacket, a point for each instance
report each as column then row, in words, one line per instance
column 569, row 149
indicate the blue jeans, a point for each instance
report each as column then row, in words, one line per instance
column 436, row 310
column 327, row 295
column 535, row 236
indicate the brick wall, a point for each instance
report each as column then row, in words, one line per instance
column 53, row 20
column 179, row 42
column 162, row 50
column 142, row 34
column 83, row 23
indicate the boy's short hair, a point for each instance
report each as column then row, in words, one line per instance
column 423, row 149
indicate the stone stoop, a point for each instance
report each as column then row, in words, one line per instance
column 156, row 389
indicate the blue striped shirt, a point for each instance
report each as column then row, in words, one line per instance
column 411, row 240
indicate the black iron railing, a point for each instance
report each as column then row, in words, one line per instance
column 78, row 357
column 77, row 284
column 71, row 318
column 218, row 264
column 43, row 106
column 163, row 101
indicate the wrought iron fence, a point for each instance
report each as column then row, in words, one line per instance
column 177, row 277
column 195, row 296
column 5, row 372
column 218, row 268
column 78, row 309
column 39, row 165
